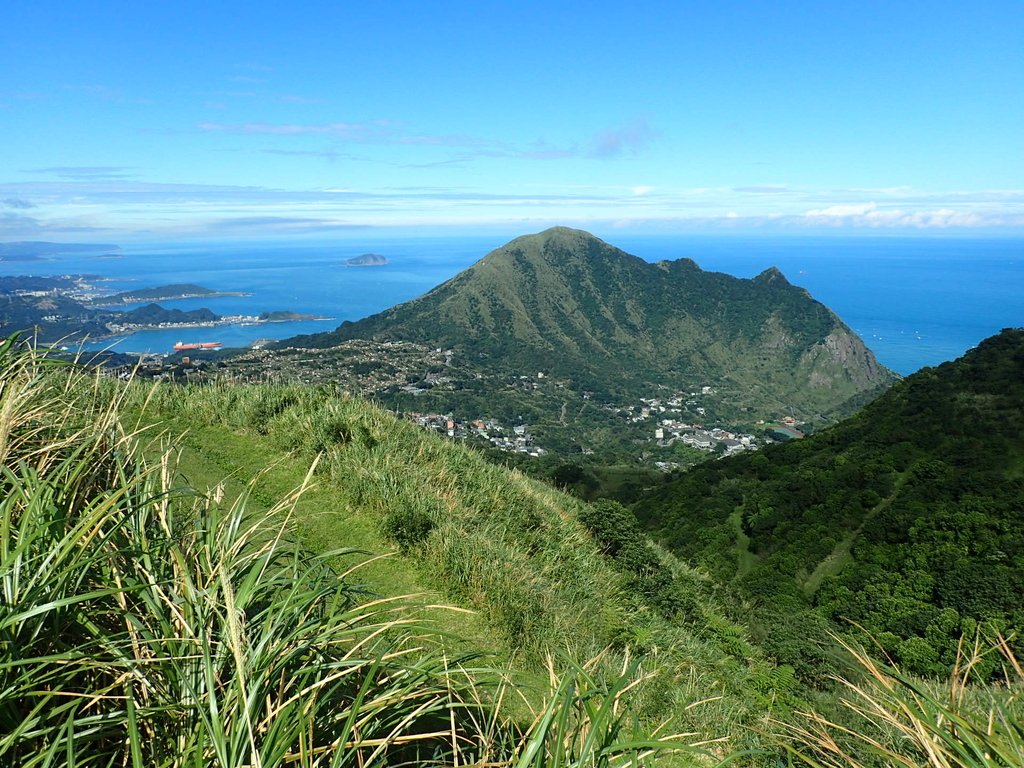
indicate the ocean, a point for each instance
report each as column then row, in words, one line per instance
column 916, row 301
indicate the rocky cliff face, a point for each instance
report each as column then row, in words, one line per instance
column 844, row 353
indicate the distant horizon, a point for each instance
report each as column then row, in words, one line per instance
column 161, row 122
column 608, row 234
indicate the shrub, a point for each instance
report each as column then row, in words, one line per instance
column 899, row 720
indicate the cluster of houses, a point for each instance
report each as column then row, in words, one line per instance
column 429, row 380
column 71, row 286
column 515, row 439
column 704, row 439
column 120, row 327
column 678, row 403
column 670, row 430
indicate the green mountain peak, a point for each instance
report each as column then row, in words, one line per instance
column 566, row 302
column 770, row 275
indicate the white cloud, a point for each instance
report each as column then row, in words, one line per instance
column 874, row 216
column 843, row 211
column 106, row 197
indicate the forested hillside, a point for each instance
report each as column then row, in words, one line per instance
column 907, row 519
column 566, row 303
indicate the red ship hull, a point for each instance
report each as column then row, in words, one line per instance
column 200, row 345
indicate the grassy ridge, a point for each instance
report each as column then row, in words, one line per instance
column 145, row 621
column 506, row 546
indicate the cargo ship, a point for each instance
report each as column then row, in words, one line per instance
column 181, row 345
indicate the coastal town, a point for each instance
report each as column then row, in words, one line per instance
column 670, row 428
column 511, row 439
column 217, row 321
column 670, row 431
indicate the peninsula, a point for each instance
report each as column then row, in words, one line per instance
column 69, row 307
column 164, row 293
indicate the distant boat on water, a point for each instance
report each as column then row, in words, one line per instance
column 181, row 345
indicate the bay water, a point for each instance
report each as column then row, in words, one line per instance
column 916, row 301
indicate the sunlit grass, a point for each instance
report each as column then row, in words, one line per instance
column 899, row 720
column 144, row 623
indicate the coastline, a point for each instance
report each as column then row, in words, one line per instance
column 129, row 329
column 100, row 302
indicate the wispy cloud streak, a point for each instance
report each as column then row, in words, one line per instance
column 86, row 172
column 367, row 131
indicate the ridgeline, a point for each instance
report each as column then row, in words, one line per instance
column 567, row 304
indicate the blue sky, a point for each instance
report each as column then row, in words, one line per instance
column 132, row 121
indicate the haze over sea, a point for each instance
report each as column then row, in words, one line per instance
column 916, row 301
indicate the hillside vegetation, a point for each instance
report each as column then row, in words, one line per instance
column 179, row 588
column 566, row 303
column 907, row 519
column 149, row 622
column 510, row 548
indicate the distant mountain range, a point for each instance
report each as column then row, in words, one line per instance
column 31, row 250
column 567, row 304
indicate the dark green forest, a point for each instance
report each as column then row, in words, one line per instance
column 905, row 522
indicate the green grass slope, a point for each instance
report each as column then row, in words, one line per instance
column 462, row 530
column 146, row 623
column 179, row 589
column 907, row 519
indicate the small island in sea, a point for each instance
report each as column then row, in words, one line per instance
column 366, row 260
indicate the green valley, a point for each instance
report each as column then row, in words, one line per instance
column 905, row 520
